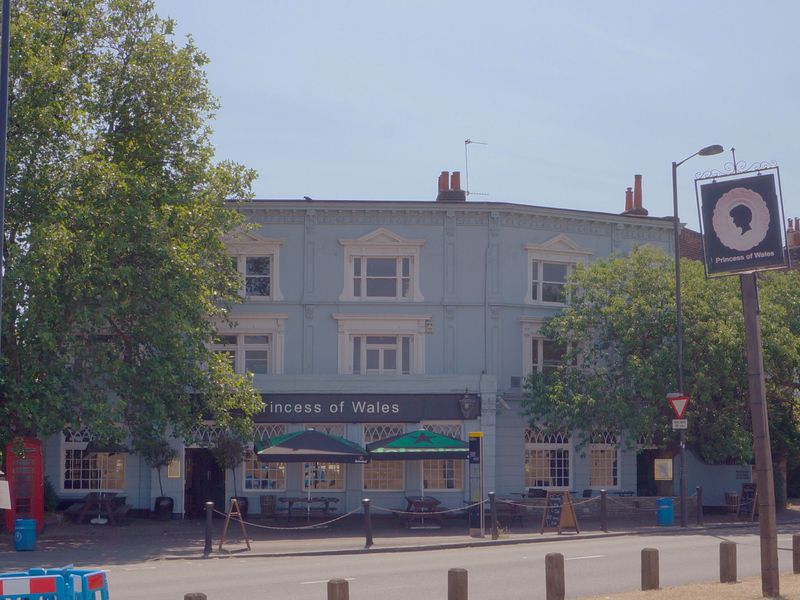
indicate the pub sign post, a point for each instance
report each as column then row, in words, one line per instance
column 741, row 216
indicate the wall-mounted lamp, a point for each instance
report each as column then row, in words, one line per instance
column 467, row 403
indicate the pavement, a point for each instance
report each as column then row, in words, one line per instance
column 142, row 539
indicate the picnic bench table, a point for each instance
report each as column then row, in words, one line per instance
column 99, row 504
column 418, row 508
column 323, row 501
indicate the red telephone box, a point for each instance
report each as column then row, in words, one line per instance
column 25, row 482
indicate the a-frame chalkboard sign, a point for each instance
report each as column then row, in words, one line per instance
column 559, row 513
column 748, row 501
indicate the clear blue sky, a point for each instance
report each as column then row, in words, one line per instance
column 371, row 99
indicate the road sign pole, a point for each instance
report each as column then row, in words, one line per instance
column 770, row 584
column 678, row 402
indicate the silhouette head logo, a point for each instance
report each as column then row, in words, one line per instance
column 741, row 219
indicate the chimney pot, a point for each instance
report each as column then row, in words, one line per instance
column 637, row 191
column 797, row 223
column 791, row 225
column 444, row 181
column 628, row 200
column 455, row 180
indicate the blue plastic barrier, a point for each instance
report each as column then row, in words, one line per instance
column 24, row 534
column 74, row 584
column 666, row 512
column 19, row 586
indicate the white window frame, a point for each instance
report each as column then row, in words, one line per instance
column 413, row 326
column 605, row 440
column 246, row 244
column 394, row 429
column 81, row 439
column 269, row 325
column 381, row 243
column 251, row 462
column 560, row 250
column 547, row 443
column 445, row 428
column 531, row 332
column 336, row 429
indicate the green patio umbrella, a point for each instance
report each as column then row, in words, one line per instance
column 418, row 445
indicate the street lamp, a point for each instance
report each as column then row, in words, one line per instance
column 707, row 151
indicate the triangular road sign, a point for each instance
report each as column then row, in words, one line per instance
column 678, row 404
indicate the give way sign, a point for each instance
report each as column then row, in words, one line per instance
column 678, row 402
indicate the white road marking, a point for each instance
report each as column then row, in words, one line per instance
column 585, row 557
column 325, row 581
column 138, row 568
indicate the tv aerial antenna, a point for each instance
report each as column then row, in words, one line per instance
column 467, row 143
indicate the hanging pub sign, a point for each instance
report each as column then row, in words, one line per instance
column 742, row 223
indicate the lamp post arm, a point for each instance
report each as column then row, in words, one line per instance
column 678, row 164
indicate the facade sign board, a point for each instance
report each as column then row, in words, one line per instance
column 364, row 408
column 742, row 224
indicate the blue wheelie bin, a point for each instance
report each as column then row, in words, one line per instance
column 666, row 511
column 24, row 534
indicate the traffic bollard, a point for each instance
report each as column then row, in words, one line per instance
column 727, row 562
column 457, row 584
column 338, row 589
column 209, row 516
column 649, row 569
column 367, row 523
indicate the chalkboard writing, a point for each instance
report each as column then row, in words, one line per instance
column 558, row 512
column 552, row 512
column 747, row 500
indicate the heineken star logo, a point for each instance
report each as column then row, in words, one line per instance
column 423, row 437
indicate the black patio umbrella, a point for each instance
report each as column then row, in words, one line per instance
column 311, row 446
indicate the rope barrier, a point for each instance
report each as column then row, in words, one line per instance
column 398, row 511
column 299, row 527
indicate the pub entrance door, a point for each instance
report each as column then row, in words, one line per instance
column 205, row 481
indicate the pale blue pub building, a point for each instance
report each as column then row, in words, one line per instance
column 370, row 318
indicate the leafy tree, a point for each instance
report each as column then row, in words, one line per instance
column 621, row 325
column 157, row 453
column 228, row 451
column 114, row 260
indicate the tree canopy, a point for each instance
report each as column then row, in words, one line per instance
column 114, row 260
column 620, row 328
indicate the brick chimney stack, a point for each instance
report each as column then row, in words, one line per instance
column 793, row 233
column 633, row 201
column 450, row 188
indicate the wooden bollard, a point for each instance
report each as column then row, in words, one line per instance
column 457, row 584
column 195, row 596
column 649, row 569
column 727, row 562
column 796, row 553
column 554, row 576
column 338, row 589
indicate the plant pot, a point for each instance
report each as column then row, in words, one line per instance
column 163, row 508
column 243, row 504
